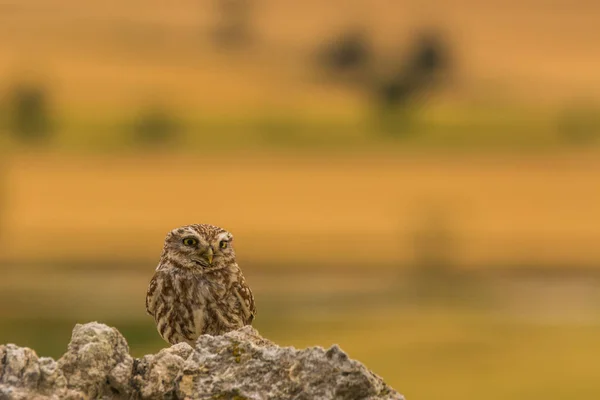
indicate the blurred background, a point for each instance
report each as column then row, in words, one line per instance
column 418, row 181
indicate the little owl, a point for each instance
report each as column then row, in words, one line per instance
column 198, row 287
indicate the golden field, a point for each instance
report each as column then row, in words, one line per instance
column 329, row 243
column 335, row 209
column 107, row 57
column 454, row 250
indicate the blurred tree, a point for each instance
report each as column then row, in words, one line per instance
column 434, row 275
column 350, row 59
column 429, row 56
column 433, row 243
column 233, row 27
column 29, row 112
column 155, row 125
column 350, row 51
column 420, row 71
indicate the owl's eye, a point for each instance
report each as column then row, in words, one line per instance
column 190, row 241
column 223, row 244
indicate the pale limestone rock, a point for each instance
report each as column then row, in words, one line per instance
column 238, row 365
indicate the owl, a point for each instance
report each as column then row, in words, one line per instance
column 198, row 288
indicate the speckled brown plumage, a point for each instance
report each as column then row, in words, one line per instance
column 198, row 287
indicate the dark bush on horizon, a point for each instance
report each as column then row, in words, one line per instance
column 29, row 112
column 155, row 125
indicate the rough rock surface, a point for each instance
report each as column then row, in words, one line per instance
column 238, row 365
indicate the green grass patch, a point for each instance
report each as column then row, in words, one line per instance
column 454, row 127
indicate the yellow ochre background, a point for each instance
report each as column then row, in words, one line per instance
column 418, row 182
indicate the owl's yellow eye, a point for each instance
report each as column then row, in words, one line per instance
column 223, row 244
column 190, row 241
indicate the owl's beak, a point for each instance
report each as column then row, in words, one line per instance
column 209, row 255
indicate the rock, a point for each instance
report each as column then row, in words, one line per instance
column 154, row 375
column 24, row 376
column 238, row 365
column 97, row 362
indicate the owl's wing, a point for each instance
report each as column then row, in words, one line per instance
column 152, row 294
column 246, row 298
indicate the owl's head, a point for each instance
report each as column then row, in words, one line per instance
column 199, row 246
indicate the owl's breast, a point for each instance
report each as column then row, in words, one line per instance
column 192, row 305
